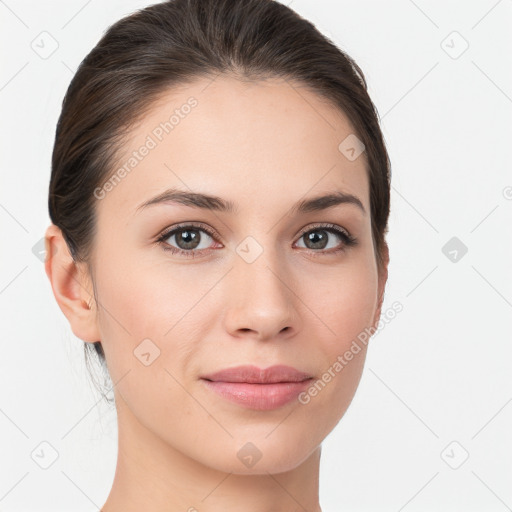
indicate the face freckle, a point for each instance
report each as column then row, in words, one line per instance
column 258, row 300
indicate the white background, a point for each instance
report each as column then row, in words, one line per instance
column 438, row 373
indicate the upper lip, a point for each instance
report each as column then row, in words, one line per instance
column 254, row 375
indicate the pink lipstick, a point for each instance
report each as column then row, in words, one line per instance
column 260, row 389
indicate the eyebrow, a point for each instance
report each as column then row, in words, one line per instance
column 215, row 203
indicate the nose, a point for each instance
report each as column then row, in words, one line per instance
column 262, row 303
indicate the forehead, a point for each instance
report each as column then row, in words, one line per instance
column 249, row 142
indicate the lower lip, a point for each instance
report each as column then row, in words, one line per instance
column 262, row 397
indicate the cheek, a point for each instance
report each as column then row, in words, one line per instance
column 344, row 306
column 129, row 298
column 142, row 296
column 143, row 324
column 343, row 302
column 145, row 298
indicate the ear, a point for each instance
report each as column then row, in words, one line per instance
column 383, row 277
column 71, row 285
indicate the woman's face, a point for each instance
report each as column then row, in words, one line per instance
column 267, row 288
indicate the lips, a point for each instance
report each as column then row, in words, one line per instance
column 258, row 389
column 253, row 375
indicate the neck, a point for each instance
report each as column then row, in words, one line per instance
column 153, row 476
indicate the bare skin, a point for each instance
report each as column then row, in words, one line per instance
column 264, row 146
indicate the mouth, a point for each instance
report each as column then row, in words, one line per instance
column 253, row 375
column 253, row 388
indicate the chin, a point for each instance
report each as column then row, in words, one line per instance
column 257, row 457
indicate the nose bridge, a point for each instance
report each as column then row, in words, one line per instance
column 262, row 268
column 261, row 297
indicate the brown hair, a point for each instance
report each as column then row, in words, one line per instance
column 173, row 43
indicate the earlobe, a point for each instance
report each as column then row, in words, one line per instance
column 71, row 285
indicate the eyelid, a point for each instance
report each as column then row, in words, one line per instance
column 212, row 232
column 166, row 233
column 325, row 225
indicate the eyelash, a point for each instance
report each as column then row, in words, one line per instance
column 347, row 238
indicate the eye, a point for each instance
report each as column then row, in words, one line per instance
column 317, row 238
column 188, row 238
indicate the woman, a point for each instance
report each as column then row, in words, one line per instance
column 219, row 202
